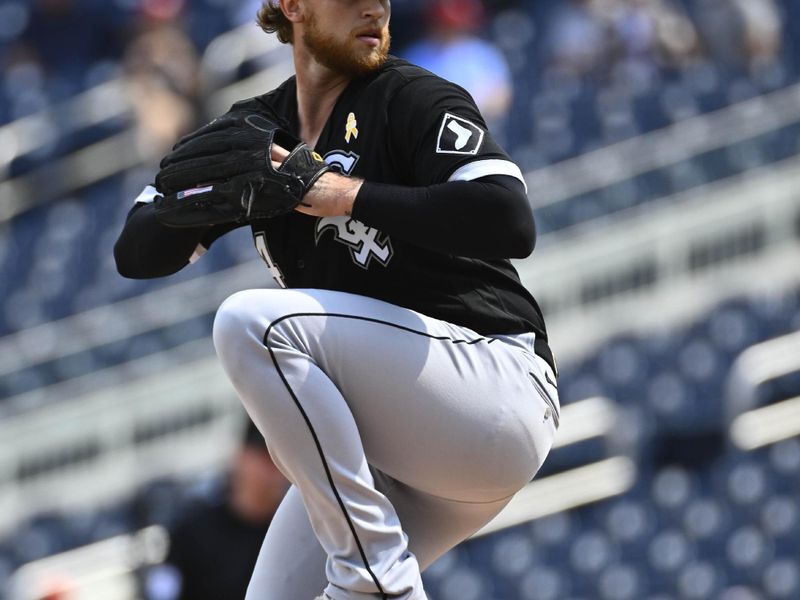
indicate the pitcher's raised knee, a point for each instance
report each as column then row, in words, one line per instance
column 240, row 323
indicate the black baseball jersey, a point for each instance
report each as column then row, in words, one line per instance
column 402, row 125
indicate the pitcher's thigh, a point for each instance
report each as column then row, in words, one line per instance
column 438, row 407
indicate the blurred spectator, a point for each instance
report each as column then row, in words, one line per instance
column 593, row 37
column 213, row 549
column 453, row 50
column 741, row 34
column 161, row 69
column 578, row 38
column 656, row 32
column 763, row 30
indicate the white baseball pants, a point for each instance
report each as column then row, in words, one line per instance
column 401, row 434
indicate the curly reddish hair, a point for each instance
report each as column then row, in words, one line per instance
column 272, row 20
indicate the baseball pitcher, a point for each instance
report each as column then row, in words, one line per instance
column 399, row 371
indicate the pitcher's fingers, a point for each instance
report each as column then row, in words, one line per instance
column 279, row 153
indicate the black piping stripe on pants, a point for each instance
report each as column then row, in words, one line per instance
column 314, row 433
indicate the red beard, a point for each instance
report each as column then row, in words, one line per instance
column 351, row 57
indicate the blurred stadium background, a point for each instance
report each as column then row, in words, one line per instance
column 661, row 145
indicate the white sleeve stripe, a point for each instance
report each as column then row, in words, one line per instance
column 198, row 252
column 148, row 195
column 484, row 168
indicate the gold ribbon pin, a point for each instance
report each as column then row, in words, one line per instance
column 351, row 128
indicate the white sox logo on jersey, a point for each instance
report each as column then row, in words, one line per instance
column 344, row 161
column 365, row 243
column 458, row 136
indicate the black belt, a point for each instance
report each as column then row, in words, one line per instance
column 543, row 350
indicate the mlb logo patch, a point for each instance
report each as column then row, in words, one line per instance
column 194, row 192
column 458, row 136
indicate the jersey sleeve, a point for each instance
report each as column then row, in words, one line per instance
column 210, row 235
column 437, row 134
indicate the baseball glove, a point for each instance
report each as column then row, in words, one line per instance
column 223, row 173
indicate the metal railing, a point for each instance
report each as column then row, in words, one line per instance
column 753, row 426
column 691, row 137
column 667, row 265
column 114, row 322
column 101, row 444
column 102, row 103
column 104, row 570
